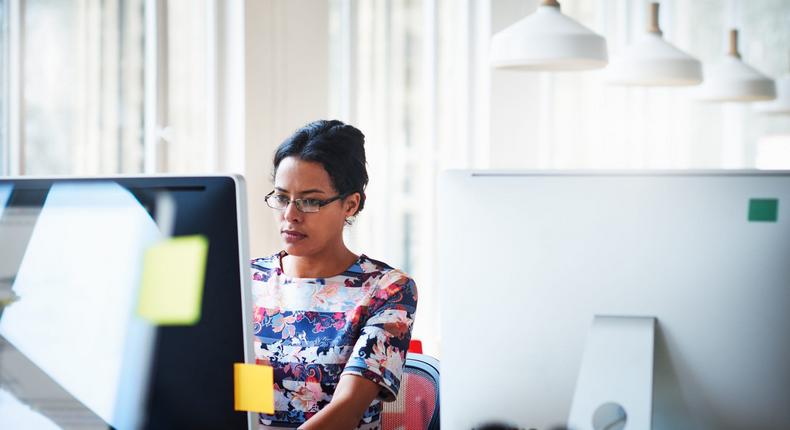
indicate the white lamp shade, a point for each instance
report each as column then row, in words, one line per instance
column 732, row 80
column 652, row 61
column 548, row 40
column 780, row 106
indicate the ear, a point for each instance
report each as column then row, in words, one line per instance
column 350, row 204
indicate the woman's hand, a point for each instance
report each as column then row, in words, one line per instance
column 352, row 397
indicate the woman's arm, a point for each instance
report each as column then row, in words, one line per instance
column 352, row 397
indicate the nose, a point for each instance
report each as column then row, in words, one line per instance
column 291, row 213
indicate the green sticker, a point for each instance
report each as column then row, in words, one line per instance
column 763, row 210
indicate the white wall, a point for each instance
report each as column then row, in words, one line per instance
column 287, row 85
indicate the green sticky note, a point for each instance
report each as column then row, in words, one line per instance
column 765, row 210
column 171, row 290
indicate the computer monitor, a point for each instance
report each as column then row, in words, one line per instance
column 70, row 269
column 528, row 259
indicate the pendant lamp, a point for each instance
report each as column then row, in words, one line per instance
column 652, row 61
column 780, row 106
column 732, row 80
column 548, row 40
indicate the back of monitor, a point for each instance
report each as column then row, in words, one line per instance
column 527, row 259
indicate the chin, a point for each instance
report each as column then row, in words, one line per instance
column 297, row 250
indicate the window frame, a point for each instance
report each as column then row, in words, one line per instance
column 13, row 146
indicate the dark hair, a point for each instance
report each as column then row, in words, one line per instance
column 338, row 147
column 496, row 426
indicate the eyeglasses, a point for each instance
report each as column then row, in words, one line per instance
column 281, row 202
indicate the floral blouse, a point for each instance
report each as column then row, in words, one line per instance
column 314, row 330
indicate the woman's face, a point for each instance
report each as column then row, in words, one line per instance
column 307, row 234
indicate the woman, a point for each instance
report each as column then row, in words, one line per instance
column 335, row 326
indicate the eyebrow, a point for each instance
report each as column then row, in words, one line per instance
column 310, row 191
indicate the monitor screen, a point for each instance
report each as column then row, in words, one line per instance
column 70, row 273
column 536, row 255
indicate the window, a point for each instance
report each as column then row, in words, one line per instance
column 82, row 87
column 81, row 91
column 415, row 77
column 386, row 94
column 4, row 120
column 186, row 133
column 773, row 152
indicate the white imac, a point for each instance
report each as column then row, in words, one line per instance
column 527, row 260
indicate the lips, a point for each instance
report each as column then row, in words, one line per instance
column 291, row 236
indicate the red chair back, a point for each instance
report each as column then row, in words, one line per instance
column 417, row 405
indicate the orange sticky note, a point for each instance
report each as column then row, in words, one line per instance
column 254, row 388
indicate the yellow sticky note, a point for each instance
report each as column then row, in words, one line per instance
column 172, row 283
column 254, row 388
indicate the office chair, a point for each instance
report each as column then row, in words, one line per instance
column 417, row 405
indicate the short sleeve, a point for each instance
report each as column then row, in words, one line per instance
column 380, row 352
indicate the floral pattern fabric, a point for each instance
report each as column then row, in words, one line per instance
column 312, row 331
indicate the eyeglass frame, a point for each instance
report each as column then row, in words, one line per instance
column 299, row 202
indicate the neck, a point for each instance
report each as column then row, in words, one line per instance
column 327, row 263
